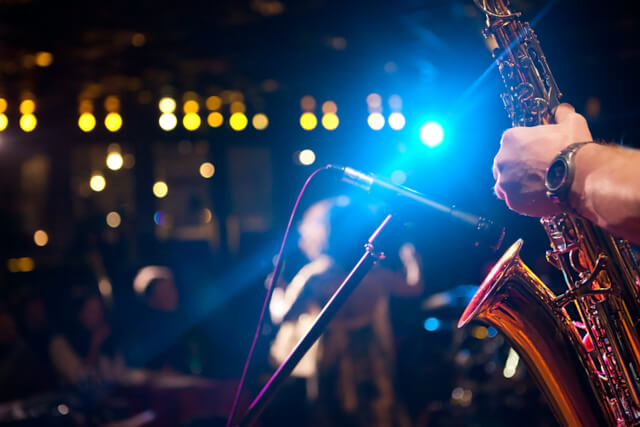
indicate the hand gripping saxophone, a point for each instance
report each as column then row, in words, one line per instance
column 593, row 384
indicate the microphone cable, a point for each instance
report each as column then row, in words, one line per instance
column 274, row 277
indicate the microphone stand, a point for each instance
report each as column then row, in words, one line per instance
column 328, row 312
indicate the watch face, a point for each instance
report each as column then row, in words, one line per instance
column 556, row 174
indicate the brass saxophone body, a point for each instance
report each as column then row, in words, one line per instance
column 585, row 384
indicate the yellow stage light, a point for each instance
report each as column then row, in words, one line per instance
column 215, row 119
column 160, row 189
column 260, row 121
column 86, row 122
column 167, row 105
column 237, row 107
column 27, row 106
column 307, row 157
column 41, row 238
column 97, row 183
column 113, row 122
column 214, row 103
column 168, row 121
column 375, row 121
column 3, row 105
column 308, row 121
column 191, row 106
column 4, row 121
column 330, row 121
column 191, row 121
column 113, row 219
column 44, row 59
column 28, row 122
column 114, row 161
column 238, row 121
column 207, row 170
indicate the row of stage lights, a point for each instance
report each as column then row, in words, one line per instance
column 431, row 133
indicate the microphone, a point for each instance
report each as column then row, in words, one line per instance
column 487, row 232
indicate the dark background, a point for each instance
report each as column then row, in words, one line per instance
column 430, row 53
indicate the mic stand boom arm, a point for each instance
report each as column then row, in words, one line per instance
column 328, row 312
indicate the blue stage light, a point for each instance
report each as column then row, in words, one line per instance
column 431, row 134
column 431, row 324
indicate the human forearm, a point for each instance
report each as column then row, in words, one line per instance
column 606, row 188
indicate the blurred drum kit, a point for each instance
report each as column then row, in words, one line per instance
column 488, row 384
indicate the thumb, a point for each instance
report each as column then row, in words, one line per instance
column 563, row 112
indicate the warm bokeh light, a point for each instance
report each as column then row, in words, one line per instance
column 113, row 122
column 167, row 105
column 237, row 107
column 44, row 59
column 86, row 122
column 215, row 119
column 189, row 95
column 168, row 121
column 308, row 121
column 214, row 103
column 138, row 40
column 113, row 219
column 236, row 96
column 160, row 189
column 4, row 121
column 40, row 238
column 431, row 134
column 28, row 122
column 26, row 264
column 3, row 105
column 330, row 121
column 207, row 215
column 112, row 104
column 207, row 170
column 97, row 183
column 375, row 121
column 129, row 161
column 105, row 288
column 260, row 121
column 307, row 157
column 396, row 121
column 191, row 121
column 114, row 161
column 12, row 265
column 191, row 106
column 308, row 103
column 374, row 101
column 85, row 106
column 27, row 106
column 238, row 121
column 329, row 107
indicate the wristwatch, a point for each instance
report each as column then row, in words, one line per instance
column 560, row 173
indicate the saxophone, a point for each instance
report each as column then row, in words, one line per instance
column 582, row 346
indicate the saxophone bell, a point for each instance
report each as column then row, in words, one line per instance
column 516, row 302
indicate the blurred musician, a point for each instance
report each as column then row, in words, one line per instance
column 354, row 360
